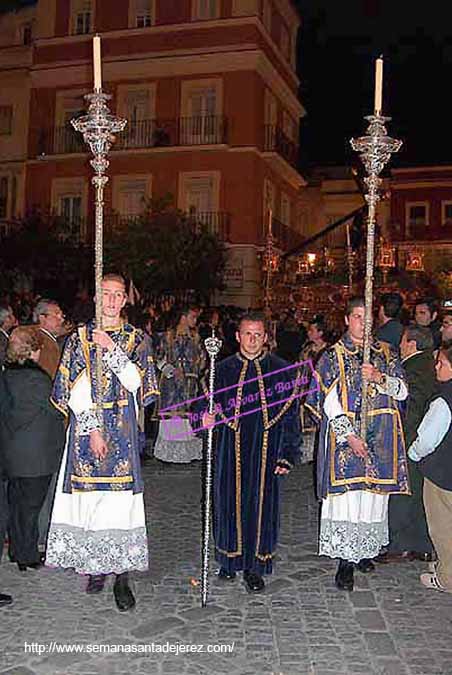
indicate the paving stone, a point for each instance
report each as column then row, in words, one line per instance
column 363, row 599
column 370, row 619
column 380, row 643
column 156, row 627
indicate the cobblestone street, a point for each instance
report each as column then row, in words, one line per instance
column 390, row 624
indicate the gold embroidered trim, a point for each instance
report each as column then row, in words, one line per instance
column 58, row 407
column 288, row 403
column 261, row 386
column 102, row 479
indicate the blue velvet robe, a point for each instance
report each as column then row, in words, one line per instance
column 338, row 469
column 259, row 427
column 120, row 470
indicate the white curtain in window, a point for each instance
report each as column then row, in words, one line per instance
column 132, row 197
column 200, row 195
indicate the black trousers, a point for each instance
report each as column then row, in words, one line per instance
column 26, row 497
column 407, row 521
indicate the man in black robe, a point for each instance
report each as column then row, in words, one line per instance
column 257, row 442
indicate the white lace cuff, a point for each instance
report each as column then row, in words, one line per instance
column 342, row 427
column 116, row 360
column 392, row 386
column 87, row 421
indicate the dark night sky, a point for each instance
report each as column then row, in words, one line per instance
column 338, row 44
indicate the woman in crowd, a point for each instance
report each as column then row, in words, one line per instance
column 433, row 449
column 181, row 360
column 312, row 351
column 31, row 442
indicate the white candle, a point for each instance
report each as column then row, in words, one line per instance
column 97, row 63
column 378, row 85
column 270, row 220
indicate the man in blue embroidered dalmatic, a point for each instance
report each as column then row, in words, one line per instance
column 355, row 478
column 98, row 523
column 257, row 442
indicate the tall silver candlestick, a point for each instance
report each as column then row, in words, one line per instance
column 98, row 128
column 375, row 150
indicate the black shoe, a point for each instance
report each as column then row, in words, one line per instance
column 96, row 583
column 32, row 566
column 254, row 582
column 344, row 576
column 123, row 595
column 366, row 565
column 224, row 575
column 5, row 599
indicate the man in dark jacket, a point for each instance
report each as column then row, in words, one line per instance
column 408, row 534
column 390, row 329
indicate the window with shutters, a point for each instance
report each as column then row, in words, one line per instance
column 81, row 17
column 69, row 105
column 416, row 216
column 205, row 9
column 201, row 122
column 6, row 120
column 199, row 195
column 69, row 201
column 141, row 13
column 130, row 195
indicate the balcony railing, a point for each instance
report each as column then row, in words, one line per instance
column 216, row 222
column 285, row 236
column 150, row 133
column 277, row 141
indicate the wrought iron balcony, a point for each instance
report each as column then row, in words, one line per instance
column 277, row 141
column 149, row 133
column 216, row 222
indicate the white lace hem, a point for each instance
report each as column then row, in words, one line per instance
column 97, row 552
column 352, row 541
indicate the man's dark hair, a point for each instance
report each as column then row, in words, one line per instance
column 431, row 303
column 319, row 322
column 254, row 316
column 446, row 349
column 354, row 302
column 422, row 335
column 392, row 303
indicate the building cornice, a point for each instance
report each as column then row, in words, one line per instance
column 69, row 74
column 421, row 169
column 416, row 184
column 172, row 28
